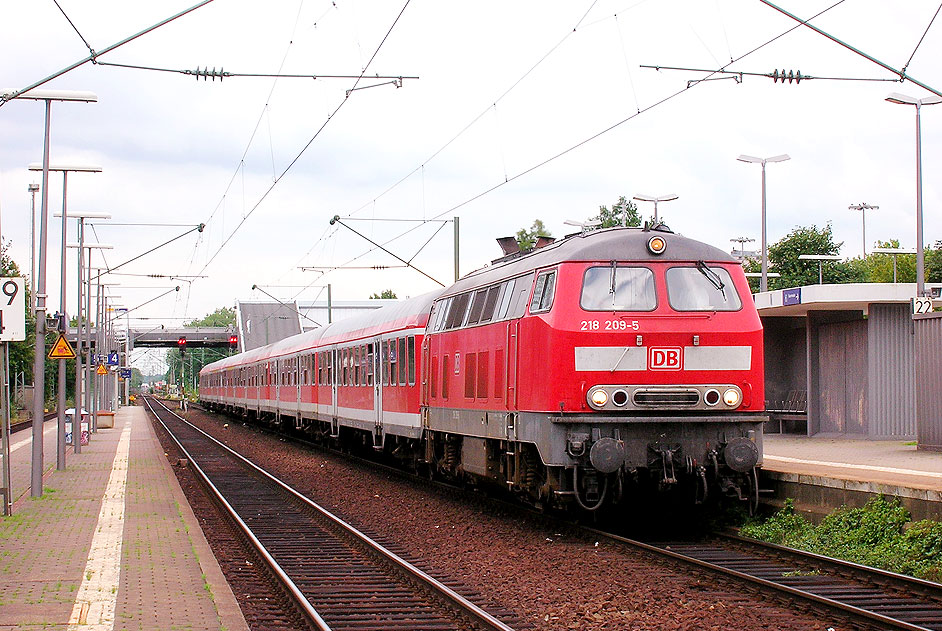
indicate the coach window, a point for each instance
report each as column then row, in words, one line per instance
column 411, row 360
column 613, row 288
column 356, row 366
column 403, row 362
column 543, row 293
column 701, row 288
column 369, row 364
column 393, row 363
column 384, row 360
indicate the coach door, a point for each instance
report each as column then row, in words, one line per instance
column 334, row 425
column 376, row 365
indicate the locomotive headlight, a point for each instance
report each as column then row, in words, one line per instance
column 598, row 398
column 657, row 245
column 732, row 397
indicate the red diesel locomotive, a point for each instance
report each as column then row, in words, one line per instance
column 608, row 360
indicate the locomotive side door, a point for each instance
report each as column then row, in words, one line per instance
column 513, row 331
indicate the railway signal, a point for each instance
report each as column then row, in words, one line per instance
column 233, row 342
column 181, row 344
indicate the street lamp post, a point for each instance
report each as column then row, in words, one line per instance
column 39, row 358
column 82, row 324
column 33, row 188
column 649, row 198
column 63, row 319
column 902, row 99
column 764, row 279
column 895, row 252
column 863, row 207
column 820, row 258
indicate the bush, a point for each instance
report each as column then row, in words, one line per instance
column 876, row 535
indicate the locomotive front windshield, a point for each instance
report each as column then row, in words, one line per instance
column 701, row 288
column 613, row 288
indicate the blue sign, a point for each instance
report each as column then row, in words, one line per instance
column 791, row 296
column 125, row 373
column 113, row 358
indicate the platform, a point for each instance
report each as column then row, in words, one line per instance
column 111, row 544
column 825, row 472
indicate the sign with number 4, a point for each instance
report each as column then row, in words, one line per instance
column 12, row 310
column 921, row 305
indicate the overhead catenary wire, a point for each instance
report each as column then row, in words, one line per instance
column 93, row 56
column 596, row 135
column 74, row 28
column 309, row 142
column 918, row 44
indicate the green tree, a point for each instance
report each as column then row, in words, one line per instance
column 933, row 262
column 616, row 215
column 783, row 259
column 526, row 239
column 388, row 294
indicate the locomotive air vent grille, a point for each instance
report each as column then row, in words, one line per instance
column 666, row 397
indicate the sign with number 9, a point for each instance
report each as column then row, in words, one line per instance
column 12, row 310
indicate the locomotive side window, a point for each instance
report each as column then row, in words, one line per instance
column 613, row 288
column 543, row 292
column 490, row 304
column 477, row 306
column 456, row 311
column 505, row 299
column 518, row 304
column 701, row 288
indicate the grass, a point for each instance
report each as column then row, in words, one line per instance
column 880, row 534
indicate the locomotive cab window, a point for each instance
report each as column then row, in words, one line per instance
column 701, row 288
column 613, row 288
column 544, row 292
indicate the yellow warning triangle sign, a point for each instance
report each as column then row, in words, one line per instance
column 101, row 370
column 61, row 349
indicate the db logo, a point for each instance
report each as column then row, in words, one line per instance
column 664, row 358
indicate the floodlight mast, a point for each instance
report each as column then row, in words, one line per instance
column 764, row 279
column 902, row 99
column 649, row 198
column 863, row 207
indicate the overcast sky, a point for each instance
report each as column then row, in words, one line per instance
column 521, row 110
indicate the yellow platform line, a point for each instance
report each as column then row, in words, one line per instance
column 97, row 596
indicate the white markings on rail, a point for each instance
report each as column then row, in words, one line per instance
column 864, row 467
column 97, row 597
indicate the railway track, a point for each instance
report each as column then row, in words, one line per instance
column 338, row 577
column 867, row 595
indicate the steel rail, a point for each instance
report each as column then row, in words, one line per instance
column 467, row 607
column 857, row 612
column 300, row 600
column 892, row 578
